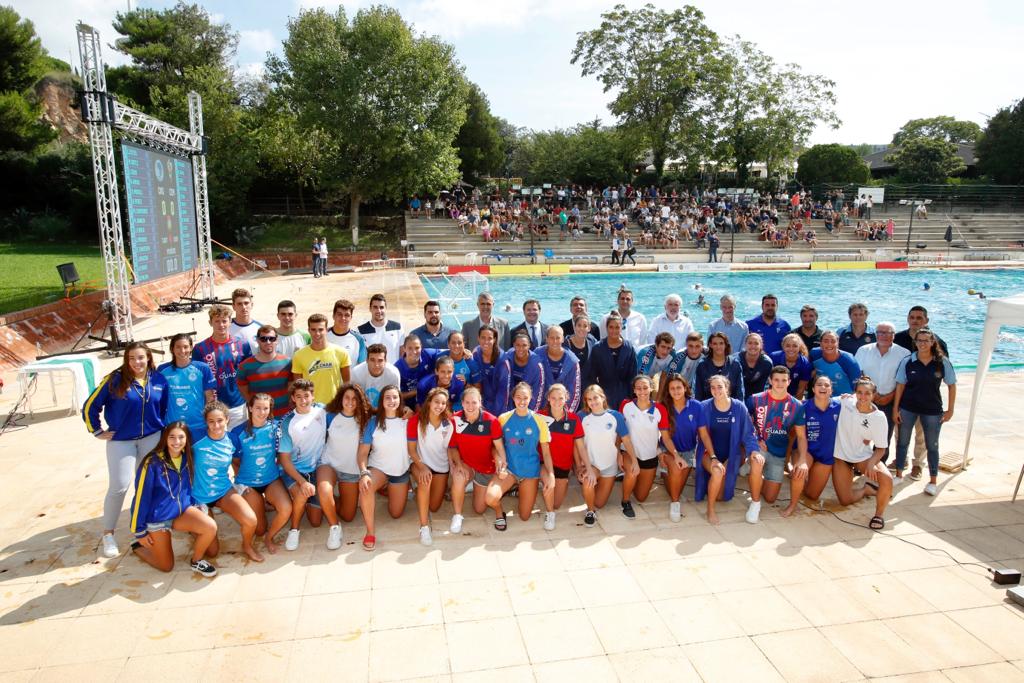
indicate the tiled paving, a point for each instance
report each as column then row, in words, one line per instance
column 813, row 598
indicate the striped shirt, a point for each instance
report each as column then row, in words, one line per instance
column 271, row 377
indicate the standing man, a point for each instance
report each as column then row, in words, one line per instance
column 289, row 339
column 432, row 333
column 376, row 373
column 266, row 371
column 671, row 321
column 324, row 261
column 324, row 364
column 858, row 333
column 243, row 326
column 471, row 328
column 223, row 353
column 771, row 328
column 314, row 254
column 341, row 333
column 917, row 318
column 534, row 328
column 379, row 330
column 578, row 306
column 809, row 330
column 634, row 324
column 880, row 361
column 735, row 330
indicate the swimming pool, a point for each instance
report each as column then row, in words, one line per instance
column 956, row 316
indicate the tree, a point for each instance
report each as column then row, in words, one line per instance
column 927, row 160
column 939, row 127
column 831, row 164
column 1001, row 148
column 392, row 101
column 479, row 142
column 663, row 67
column 22, row 57
column 286, row 147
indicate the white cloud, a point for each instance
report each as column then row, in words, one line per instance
column 258, row 41
column 55, row 25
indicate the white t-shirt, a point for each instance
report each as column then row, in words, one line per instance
column 599, row 434
column 351, row 342
column 371, row 385
column 432, row 442
column 287, row 345
column 388, row 450
column 342, row 444
column 390, row 334
column 246, row 332
column 645, row 428
column 304, row 437
column 855, row 427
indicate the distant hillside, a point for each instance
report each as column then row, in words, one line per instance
column 57, row 93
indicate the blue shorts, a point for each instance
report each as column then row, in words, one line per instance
column 306, row 476
column 165, row 525
column 397, row 479
column 774, row 467
column 689, row 457
column 824, row 459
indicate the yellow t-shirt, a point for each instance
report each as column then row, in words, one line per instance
column 323, row 368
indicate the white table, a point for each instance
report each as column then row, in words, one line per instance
column 84, row 372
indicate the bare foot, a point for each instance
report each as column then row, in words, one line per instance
column 712, row 518
column 870, row 491
column 252, row 554
column 270, row 545
column 787, row 511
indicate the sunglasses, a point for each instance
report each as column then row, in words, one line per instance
column 267, row 339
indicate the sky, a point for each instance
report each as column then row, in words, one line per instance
column 892, row 61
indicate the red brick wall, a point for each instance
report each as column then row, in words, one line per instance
column 56, row 327
column 302, row 259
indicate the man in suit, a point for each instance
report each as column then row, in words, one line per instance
column 471, row 328
column 532, row 326
column 578, row 306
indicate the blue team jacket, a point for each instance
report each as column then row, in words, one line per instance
column 162, row 493
column 140, row 412
column 741, row 435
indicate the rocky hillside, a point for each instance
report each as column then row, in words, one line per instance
column 60, row 107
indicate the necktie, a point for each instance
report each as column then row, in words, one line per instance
column 533, row 333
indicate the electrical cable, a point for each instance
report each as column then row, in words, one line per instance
column 11, row 423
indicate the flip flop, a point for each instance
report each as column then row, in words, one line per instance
column 501, row 523
column 369, row 542
column 876, row 523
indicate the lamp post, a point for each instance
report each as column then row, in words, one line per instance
column 913, row 203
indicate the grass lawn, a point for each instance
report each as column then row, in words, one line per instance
column 29, row 276
column 294, row 236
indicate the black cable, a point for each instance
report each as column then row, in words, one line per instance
column 17, row 411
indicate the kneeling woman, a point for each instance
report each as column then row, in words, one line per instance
column 647, row 421
column 609, row 451
column 524, row 433
column 727, row 435
column 347, row 417
column 257, row 474
column 428, row 434
column 821, row 414
column 384, row 461
column 211, row 484
column 860, row 446
column 566, row 446
column 163, row 501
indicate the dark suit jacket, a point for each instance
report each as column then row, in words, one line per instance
column 522, row 327
column 568, row 330
column 471, row 328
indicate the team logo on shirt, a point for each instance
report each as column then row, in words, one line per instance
column 261, row 461
column 480, row 428
column 565, row 425
column 529, row 430
column 318, row 365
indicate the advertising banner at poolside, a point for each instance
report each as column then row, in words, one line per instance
column 693, row 267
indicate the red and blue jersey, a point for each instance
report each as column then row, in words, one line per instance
column 223, row 359
column 774, row 418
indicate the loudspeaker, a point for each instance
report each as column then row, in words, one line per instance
column 68, row 274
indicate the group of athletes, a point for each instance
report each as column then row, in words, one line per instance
column 271, row 424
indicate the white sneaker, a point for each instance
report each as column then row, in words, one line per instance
column 549, row 521
column 931, row 489
column 292, row 542
column 456, row 527
column 675, row 511
column 896, row 481
column 333, row 537
column 110, row 546
column 745, row 469
column 425, row 537
column 753, row 512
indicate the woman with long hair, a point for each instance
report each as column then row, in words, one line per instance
column 861, row 438
column 566, row 429
column 384, row 462
column 347, row 416
column 609, row 452
column 821, row 414
column 428, row 435
column 794, row 355
column 133, row 401
column 257, row 474
column 487, row 354
column 719, row 361
column 191, row 385
column 163, row 501
column 685, row 418
column 647, row 420
column 525, row 433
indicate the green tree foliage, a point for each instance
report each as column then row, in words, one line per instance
column 589, row 154
column 664, row 68
column 480, row 145
column 20, row 127
column 22, row 57
column 927, row 160
column 392, row 101
column 831, row 164
column 944, row 128
column 1001, row 148
column 297, row 152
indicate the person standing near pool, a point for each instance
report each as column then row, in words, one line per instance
column 323, row 364
column 858, row 333
column 613, row 362
column 771, row 328
column 578, row 307
column 809, row 331
column 671, row 321
column 243, row 326
column 518, row 364
column 880, row 361
column 838, row 365
column 485, row 306
column 794, row 356
column 754, row 364
column 343, row 336
column 634, row 324
column 558, row 366
column 735, row 330
column 289, row 340
column 719, row 361
column 432, row 333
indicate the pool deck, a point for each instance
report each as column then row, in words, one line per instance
column 818, row 597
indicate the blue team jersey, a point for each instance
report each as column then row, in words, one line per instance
column 411, row 376
column 466, row 369
column 187, row 389
column 773, row 419
column 821, row 430
column 304, row 435
column 771, row 334
column 212, row 459
column 257, row 453
column 687, row 422
column 843, row 372
column 223, row 360
column 522, row 434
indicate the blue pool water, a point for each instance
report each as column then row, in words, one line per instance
column 957, row 317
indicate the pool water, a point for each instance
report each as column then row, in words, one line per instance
column 956, row 316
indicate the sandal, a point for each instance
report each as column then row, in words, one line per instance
column 501, row 523
column 876, row 523
column 369, row 542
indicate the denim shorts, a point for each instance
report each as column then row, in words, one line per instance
column 774, row 467
column 689, row 457
column 165, row 525
column 399, row 479
column 306, row 476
